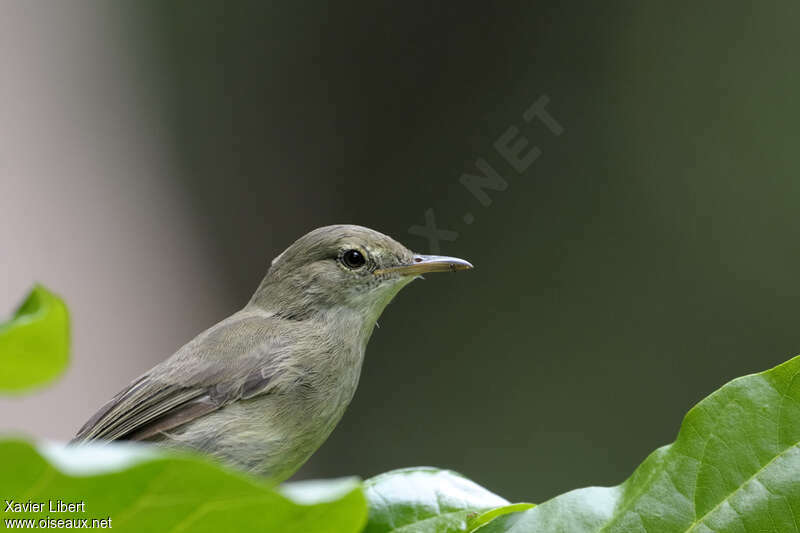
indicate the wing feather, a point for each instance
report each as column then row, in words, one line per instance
column 164, row 399
column 148, row 407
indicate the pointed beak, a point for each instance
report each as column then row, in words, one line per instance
column 422, row 264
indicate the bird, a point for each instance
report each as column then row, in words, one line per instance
column 262, row 390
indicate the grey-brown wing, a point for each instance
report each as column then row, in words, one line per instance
column 149, row 405
column 236, row 359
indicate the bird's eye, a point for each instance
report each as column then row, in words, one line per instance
column 353, row 259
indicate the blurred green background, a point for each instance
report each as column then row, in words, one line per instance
column 647, row 257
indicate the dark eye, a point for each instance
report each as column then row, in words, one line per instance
column 353, row 259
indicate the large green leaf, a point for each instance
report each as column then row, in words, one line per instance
column 421, row 500
column 34, row 344
column 141, row 490
column 735, row 467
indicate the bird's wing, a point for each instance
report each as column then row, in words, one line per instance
column 234, row 360
column 149, row 406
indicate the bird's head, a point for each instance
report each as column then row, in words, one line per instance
column 344, row 267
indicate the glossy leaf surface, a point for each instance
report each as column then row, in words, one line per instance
column 34, row 344
column 140, row 489
column 735, row 467
column 420, row 500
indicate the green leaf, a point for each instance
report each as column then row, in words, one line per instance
column 141, row 489
column 421, row 500
column 735, row 467
column 484, row 518
column 34, row 344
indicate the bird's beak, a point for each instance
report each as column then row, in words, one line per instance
column 422, row 264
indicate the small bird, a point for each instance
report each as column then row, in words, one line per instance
column 262, row 389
